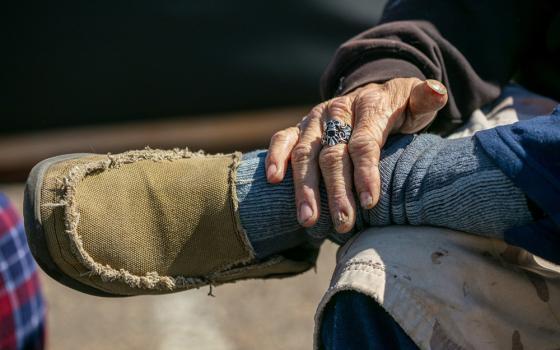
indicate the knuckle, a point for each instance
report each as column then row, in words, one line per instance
column 292, row 130
column 371, row 98
column 279, row 136
column 360, row 145
column 302, row 153
column 316, row 111
column 340, row 106
column 337, row 193
column 399, row 89
column 284, row 136
column 330, row 157
column 372, row 107
column 312, row 120
column 362, row 148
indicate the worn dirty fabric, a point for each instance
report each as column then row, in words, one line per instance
column 452, row 290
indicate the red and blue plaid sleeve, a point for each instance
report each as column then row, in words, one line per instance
column 22, row 309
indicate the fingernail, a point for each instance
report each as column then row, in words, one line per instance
column 271, row 171
column 437, row 86
column 366, row 200
column 341, row 218
column 305, row 213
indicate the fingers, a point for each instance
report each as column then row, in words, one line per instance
column 336, row 169
column 305, row 168
column 406, row 105
column 372, row 116
column 279, row 151
column 365, row 149
column 426, row 98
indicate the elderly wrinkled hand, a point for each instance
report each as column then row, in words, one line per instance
column 401, row 105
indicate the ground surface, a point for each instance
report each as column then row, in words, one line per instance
column 274, row 314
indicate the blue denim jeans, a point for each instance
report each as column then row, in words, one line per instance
column 354, row 321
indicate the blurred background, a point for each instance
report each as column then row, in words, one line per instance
column 106, row 76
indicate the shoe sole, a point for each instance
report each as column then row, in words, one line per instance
column 34, row 227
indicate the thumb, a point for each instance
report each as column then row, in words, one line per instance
column 426, row 98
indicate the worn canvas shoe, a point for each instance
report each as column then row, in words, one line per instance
column 144, row 222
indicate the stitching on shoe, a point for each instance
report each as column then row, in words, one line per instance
column 238, row 228
column 152, row 280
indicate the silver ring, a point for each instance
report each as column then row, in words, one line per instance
column 336, row 132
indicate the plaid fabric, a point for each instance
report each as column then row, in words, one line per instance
column 22, row 310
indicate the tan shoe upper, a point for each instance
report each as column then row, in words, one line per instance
column 150, row 221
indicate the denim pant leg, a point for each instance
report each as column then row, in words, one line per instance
column 353, row 320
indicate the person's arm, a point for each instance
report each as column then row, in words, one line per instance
column 527, row 153
column 473, row 47
column 480, row 185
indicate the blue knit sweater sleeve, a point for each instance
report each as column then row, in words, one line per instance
column 528, row 152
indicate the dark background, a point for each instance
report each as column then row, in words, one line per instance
column 90, row 62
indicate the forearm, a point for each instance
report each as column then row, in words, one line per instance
column 425, row 180
column 428, row 180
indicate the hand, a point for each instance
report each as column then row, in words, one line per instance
column 403, row 105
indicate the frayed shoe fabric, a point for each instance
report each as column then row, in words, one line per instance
column 144, row 222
